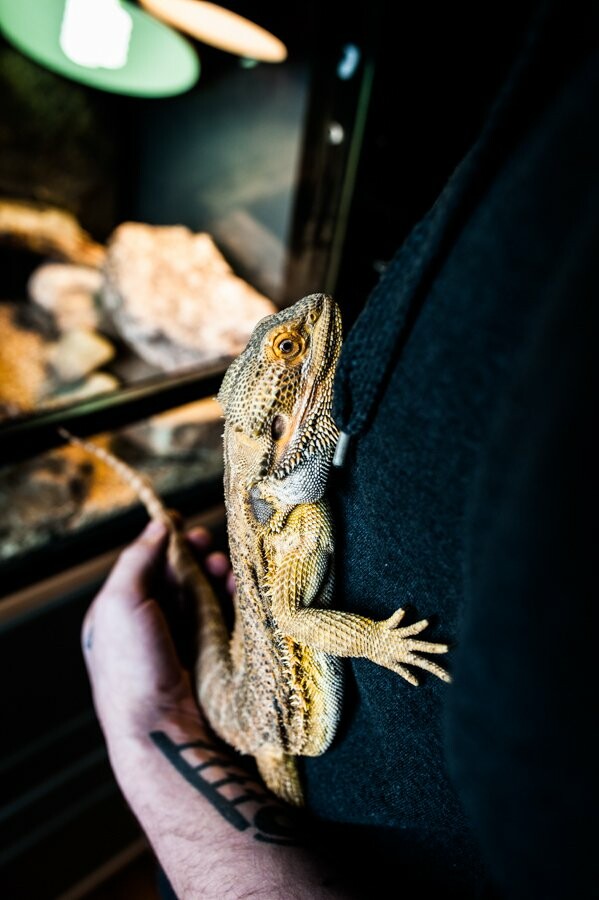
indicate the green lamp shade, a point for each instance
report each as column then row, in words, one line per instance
column 160, row 62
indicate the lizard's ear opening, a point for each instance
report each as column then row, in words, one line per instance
column 278, row 427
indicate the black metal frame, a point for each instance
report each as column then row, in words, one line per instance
column 28, row 436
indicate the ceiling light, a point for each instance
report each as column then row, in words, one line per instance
column 96, row 33
column 113, row 45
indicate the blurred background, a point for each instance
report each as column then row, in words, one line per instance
column 164, row 185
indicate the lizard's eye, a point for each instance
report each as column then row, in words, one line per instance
column 277, row 427
column 288, row 345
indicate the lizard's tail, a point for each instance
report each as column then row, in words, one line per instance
column 138, row 483
column 279, row 771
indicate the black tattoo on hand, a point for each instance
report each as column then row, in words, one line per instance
column 228, row 788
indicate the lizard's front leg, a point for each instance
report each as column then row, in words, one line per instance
column 296, row 581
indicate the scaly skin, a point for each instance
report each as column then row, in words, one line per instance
column 273, row 688
column 278, row 690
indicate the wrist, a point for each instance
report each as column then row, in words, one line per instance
column 198, row 806
column 207, row 816
column 130, row 741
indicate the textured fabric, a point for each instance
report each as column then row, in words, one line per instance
column 463, row 384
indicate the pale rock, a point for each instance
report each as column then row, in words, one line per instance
column 174, row 298
column 77, row 353
column 69, row 293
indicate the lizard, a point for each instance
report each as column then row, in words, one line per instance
column 272, row 688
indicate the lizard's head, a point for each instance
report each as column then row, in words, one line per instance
column 278, row 395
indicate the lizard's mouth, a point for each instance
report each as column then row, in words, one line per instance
column 325, row 341
column 319, row 371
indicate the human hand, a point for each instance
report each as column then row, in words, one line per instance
column 136, row 674
column 176, row 778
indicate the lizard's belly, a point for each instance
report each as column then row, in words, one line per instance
column 287, row 694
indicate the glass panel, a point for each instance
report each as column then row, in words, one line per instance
column 62, row 494
column 141, row 237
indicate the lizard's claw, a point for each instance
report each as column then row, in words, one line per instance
column 394, row 647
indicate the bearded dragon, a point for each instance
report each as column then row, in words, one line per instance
column 273, row 688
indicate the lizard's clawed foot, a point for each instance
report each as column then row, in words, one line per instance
column 394, row 647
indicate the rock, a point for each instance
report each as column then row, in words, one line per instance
column 23, row 375
column 69, row 293
column 38, row 371
column 195, row 427
column 39, row 497
column 174, row 298
column 77, row 353
column 94, row 384
column 49, row 232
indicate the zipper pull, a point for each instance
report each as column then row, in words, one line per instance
column 341, row 449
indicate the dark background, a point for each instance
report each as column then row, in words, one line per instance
column 245, row 155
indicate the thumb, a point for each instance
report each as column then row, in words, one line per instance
column 135, row 566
